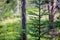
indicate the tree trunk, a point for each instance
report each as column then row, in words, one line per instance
column 24, row 19
column 51, row 16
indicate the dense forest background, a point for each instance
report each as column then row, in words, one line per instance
column 33, row 20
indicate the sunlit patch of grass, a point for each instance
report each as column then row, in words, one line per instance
column 45, row 17
column 42, row 39
column 9, row 20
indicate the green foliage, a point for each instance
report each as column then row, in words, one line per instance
column 33, row 21
column 6, row 9
column 10, row 30
column 35, row 1
column 32, row 1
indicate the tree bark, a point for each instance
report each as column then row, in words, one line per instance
column 51, row 16
column 23, row 19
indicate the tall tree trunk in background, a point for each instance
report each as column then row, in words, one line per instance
column 58, row 7
column 51, row 16
column 23, row 19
